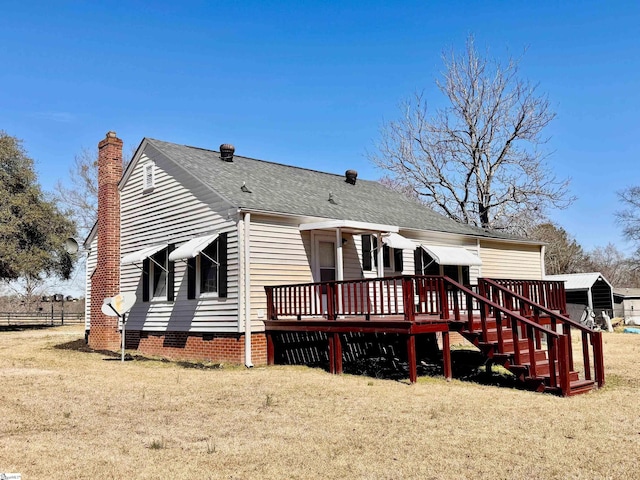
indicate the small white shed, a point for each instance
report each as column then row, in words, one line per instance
column 586, row 290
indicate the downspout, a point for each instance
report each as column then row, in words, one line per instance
column 339, row 257
column 380, row 254
column 247, row 291
column 543, row 251
column 478, row 248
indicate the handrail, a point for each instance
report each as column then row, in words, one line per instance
column 413, row 295
column 551, row 291
column 500, row 308
column 542, row 308
column 557, row 344
column 595, row 336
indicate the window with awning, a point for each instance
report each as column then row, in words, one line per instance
column 398, row 242
column 206, row 258
column 193, row 247
column 452, row 255
column 454, row 262
column 140, row 255
column 158, row 274
column 392, row 245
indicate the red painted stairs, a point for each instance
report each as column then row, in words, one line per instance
column 510, row 326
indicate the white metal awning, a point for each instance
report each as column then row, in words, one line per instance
column 140, row 255
column 193, row 247
column 452, row 255
column 395, row 240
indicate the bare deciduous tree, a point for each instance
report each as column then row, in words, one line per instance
column 629, row 217
column 80, row 195
column 478, row 160
column 614, row 265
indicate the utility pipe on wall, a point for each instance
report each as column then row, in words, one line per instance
column 247, row 290
column 380, row 254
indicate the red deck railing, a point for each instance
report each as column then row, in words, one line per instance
column 549, row 293
column 418, row 297
column 368, row 298
column 510, row 295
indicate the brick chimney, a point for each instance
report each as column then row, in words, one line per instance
column 105, row 282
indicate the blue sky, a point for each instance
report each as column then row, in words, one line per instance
column 310, row 83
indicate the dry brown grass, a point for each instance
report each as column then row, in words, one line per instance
column 67, row 414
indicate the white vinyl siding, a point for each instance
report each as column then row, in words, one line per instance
column 508, row 260
column 90, row 267
column 280, row 254
column 174, row 213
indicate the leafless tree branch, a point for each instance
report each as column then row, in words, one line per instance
column 480, row 159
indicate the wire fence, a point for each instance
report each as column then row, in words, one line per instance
column 17, row 319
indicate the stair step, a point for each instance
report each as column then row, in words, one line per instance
column 577, row 387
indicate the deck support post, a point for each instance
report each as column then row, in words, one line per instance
column 332, row 353
column 411, row 357
column 270, row 349
column 446, row 355
column 337, row 352
column 487, row 368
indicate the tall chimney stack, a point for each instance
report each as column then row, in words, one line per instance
column 105, row 282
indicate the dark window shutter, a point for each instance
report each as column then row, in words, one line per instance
column 417, row 259
column 222, row 259
column 191, row 278
column 398, row 260
column 465, row 275
column 170, row 274
column 366, row 252
column 374, row 251
column 386, row 256
column 146, row 266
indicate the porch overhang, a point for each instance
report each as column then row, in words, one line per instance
column 349, row 226
column 452, row 255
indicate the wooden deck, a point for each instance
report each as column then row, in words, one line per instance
column 502, row 318
column 375, row 324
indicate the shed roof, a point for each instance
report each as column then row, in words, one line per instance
column 578, row 281
column 278, row 188
column 627, row 292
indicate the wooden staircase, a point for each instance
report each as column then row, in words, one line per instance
column 534, row 375
column 528, row 339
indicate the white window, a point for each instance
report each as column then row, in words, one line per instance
column 208, row 270
column 148, row 177
column 158, row 275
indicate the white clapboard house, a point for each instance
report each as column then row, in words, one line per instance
column 201, row 232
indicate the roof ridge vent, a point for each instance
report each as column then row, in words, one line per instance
column 351, row 176
column 226, row 152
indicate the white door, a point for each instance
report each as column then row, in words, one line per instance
column 327, row 260
column 325, row 265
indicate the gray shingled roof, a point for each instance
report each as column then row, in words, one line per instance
column 285, row 189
